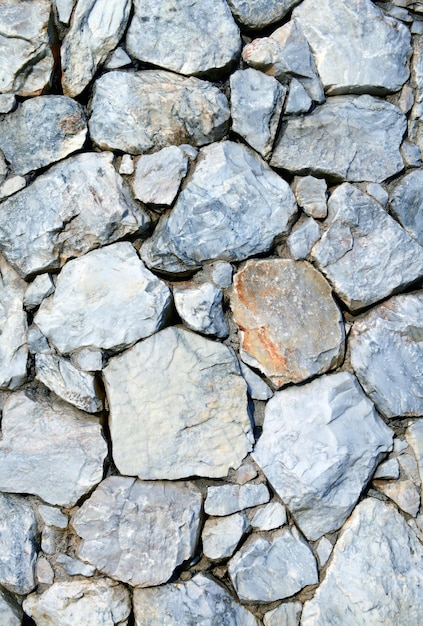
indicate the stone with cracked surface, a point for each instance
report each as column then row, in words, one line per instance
column 227, row 499
column 290, row 327
column 403, row 492
column 138, row 532
column 11, row 185
column 139, row 112
column 406, row 203
column 364, row 253
column 206, row 428
column 221, row 536
column 388, row 470
column 270, row 517
column 52, row 516
column 320, row 446
column 311, row 194
column 158, row 176
column 286, row 614
column 323, row 550
column 104, row 299
column 303, row 238
column 377, row 192
column 49, row 449
column 40, row 288
column 256, row 14
column 75, row 567
column 200, row 308
column 415, row 439
column 297, row 101
column 258, row 389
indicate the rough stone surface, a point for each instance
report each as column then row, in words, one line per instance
column 324, row 550
column 403, row 492
column 221, row 536
column 44, row 572
column 290, row 327
column 406, row 204
column 41, row 287
column 255, row 14
column 377, row 192
column 257, row 388
column 297, row 101
column 158, row 176
column 53, row 516
column 415, row 438
column 377, row 539
column 75, row 567
column 10, row 614
column 310, row 194
column 364, row 253
column 138, row 532
column 49, row 449
column 105, row 299
column 303, row 238
column 200, row 307
column 149, row 110
column 320, row 445
column 88, row 359
column 117, row 59
column 286, row 614
column 271, row 516
column 388, row 470
column 11, row 186
column 205, row 429
column 227, row 499
column 7, row 102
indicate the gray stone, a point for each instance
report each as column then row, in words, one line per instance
column 415, row 129
column 189, row 37
column 271, row 516
column 311, row 194
column 139, row 532
column 158, row 176
column 49, row 540
column 406, row 204
column 403, row 492
column 200, row 307
column 76, row 206
column 49, row 449
column 298, row 101
column 232, row 207
column 286, row 614
column 324, row 144
column 205, row 429
column 388, row 470
column 228, row 499
column 37, row 343
column 247, row 471
column 11, row 186
column 41, row 287
column 41, row 131
column 198, row 601
column 44, row 572
column 10, row 613
column 256, row 14
column 387, row 355
column 264, row 570
column 408, row 465
column 75, row 567
column 410, row 154
column 415, row 438
column 375, row 539
column 364, row 253
column 257, row 388
column 52, row 516
column 64, row 10
column 256, row 106
column 88, row 359
column 406, row 98
column 221, row 536
column 18, row 544
column 148, row 110
column 127, row 165
column 105, row 299
column 96, row 29
column 378, row 192
column 324, row 550
column 357, row 48
column 99, row 601
column 303, row 238
column 320, row 446
column 221, row 274
column 3, row 167
column 117, row 59
column 7, row 102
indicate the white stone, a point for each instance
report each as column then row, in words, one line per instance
column 75, row 567
column 7, row 102
column 246, row 472
column 311, row 195
column 49, row 540
column 41, row 287
column 408, row 465
column 222, row 274
column 117, row 59
column 37, row 343
column 298, row 101
column 158, row 176
column 221, row 536
column 10, row 613
column 127, row 165
column 52, row 516
column 303, row 238
column 227, row 499
column 323, row 550
column 88, row 359
column 64, row 10
column 12, row 185
column 44, row 571
column 378, row 192
column 403, row 492
column 255, row 14
column 200, row 308
column 389, row 470
column 257, row 388
column 271, row 516
column 406, row 203
column 286, row 614
column 410, row 154
column 3, row 167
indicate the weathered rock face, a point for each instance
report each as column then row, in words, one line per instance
column 260, row 13
column 200, row 307
column 220, row 537
column 138, row 532
column 227, row 499
column 10, row 614
column 406, row 204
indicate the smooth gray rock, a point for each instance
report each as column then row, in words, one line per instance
column 377, row 192
column 18, row 544
column 117, row 59
column 286, row 614
column 52, row 516
column 105, row 299
column 375, row 539
column 88, row 359
column 256, row 14
column 11, row 185
column 388, row 470
column 406, row 203
column 158, row 176
column 10, row 613
column 264, row 570
column 303, row 238
column 64, row 10
column 75, row 567
column 311, row 194
column 324, row 144
column 271, row 516
column 200, row 307
column 138, row 532
column 364, row 253
column 411, row 154
column 221, row 274
column 138, row 112
column 41, row 287
column 49, row 449
column 298, row 101
column 258, row 389
column 96, row 29
column 7, row 102
column 232, row 207
column 387, row 355
column 41, row 131
column 221, row 536
column 228, row 499
column 356, row 47
column 198, row 601
column 323, row 550
column 320, row 446
column 204, row 430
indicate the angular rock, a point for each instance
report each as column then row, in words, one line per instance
column 139, row 532
column 298, row 101
column 303, row 238
column 408, row 465
column 221, row 274
column 357, row 48
column 10, row 614
column 52, row 516
column 7, row 102
column 227, row 499
column 96, row 29
column 76, row 206
column 198, row 601
column 415, row 130
column 369, row 130
column 377, row 192
column 44, row 572
column 99, row 601
column 257, row 388
column 256, row 106
column 18, row 544
column 64, row 10
column 320, row 446
column 117, row 59
column 105, row 299
column 200, row 307
column 415, row 438
column 41, row 287
column 364, row 253
column 158, row 176
column 290, row 327
column 49, row 449
column 3, row 167
column 271, row 516
column 406, row 204
column 11, row 186
column 324, row 550
column 221, row 536
column 205, row 429
column 37, row 343
column 256, row 14
column 389, row 470
column 127, row 165
column 233, row 207
column 41, row 131
column 247, row 471
column 387, row 355
column 88, row 359
column 189, row 37
column 148, row 110
column 49, row 540
column 310, row 194
column 265, row 570
column 411, row 154
column 286, row 614
column 403, row 492
column 75, row 567
column 375, row 539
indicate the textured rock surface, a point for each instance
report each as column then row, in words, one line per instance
column 227, row 499
column 406, row 204
column 271, row 516
column 200, row 307
column 158, row 176
column 310, row 194
column 138, row 532
column 258, row 389
column 259, row 13
column 303, row 238
column 221, row 536
column 403, row 492
column 41, row 287
column 10, row 614
column 287, row 614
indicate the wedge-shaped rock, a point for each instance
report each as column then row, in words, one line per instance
column 356, row 47
column 98, row 601
column 290, row 327
column 348, row 138
column 158, row 176
column 76, row 206
column 256, row 14
column 200, row 307
column 375, row 539
column 320, row 445
column 264, row 570
column 416, row 115
column 406, row 203
column 198, row 601
column 49, row 449
column 204, row 430
column 364, row 253
column 387, row 355
column 96, row 29
column 311, row 195
column 220, row 537
column 149, row 110
column 188, row 37
column 287, row 613
column 139, row 532
column 403, row 492
column 233, row 207
column 41, row 131
column 227, row 499
column 10, row 613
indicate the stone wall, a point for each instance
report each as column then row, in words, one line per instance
column 211, row 327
